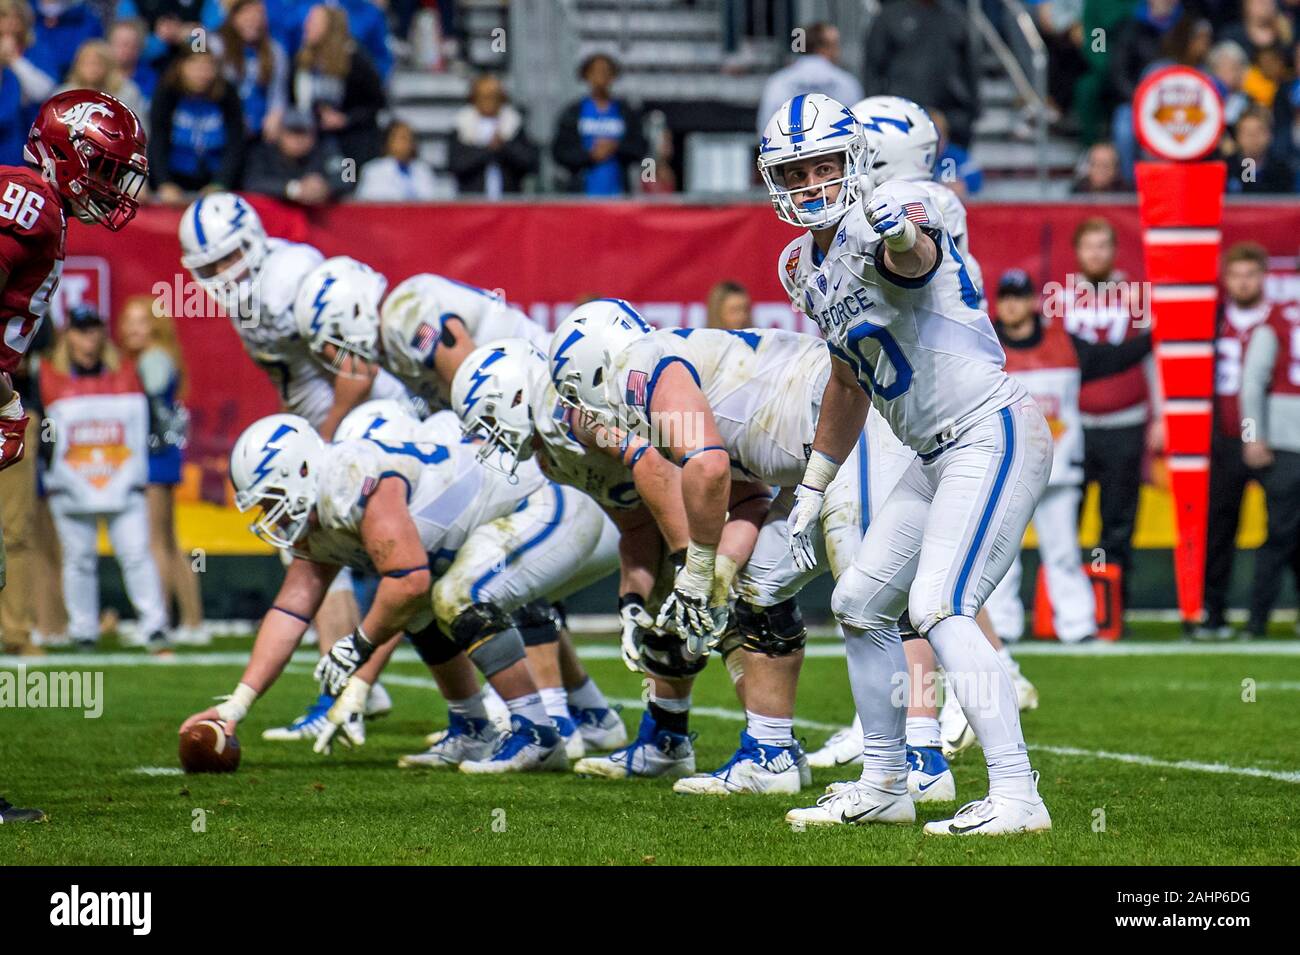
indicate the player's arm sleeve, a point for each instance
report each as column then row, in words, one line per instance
column 1256, row 376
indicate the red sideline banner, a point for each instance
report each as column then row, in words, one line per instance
column 543, row 257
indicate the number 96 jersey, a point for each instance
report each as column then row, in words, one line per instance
column 32, row 233
column 920, row 347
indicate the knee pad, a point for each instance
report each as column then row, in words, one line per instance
column 489, row 637
column 775, row 631
column 561, row 615
column 664, row 655
column 906, row 630
column 433, row 646
column 536, row 623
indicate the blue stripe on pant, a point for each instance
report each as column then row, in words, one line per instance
column 990, row 507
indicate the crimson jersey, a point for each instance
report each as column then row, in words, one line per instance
column 1235, row 326
column 1285, row 320
column 32, row 235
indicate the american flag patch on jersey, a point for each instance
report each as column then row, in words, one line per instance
column 368, row 487
column 424, row 336
column 636, row 382
column 916, row 212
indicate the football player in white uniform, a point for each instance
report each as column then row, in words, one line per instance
column 255, row 279
column 337, row 314
column 884, row 280
column 571, row 697
column 738, row 410
column 505, row 395
column 424, row 329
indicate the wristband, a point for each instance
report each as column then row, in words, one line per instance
column 13, row 408
column 700, row 562
column 630, row 600
column 353, row 697
column 820, row 471
column 904, row 240
column 678, row 559
column 236, row 707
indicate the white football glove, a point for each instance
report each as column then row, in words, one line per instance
column 803, row 524
column 885, row 213
column 344, row 659
column 635, row 621
column 687, row 612
column 346, row 718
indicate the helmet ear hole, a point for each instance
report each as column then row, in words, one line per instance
column 598, row 377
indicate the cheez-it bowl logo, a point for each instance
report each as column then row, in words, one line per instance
column 96, row 451
column 1179, row 110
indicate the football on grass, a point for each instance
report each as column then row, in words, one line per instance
column 206, row 748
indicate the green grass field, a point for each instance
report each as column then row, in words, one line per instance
column 1157, row 750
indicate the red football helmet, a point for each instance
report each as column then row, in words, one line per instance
column 91, row 148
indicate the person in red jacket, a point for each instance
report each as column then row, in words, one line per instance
column 85, row 155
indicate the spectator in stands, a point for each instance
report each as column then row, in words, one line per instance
column 1253, row 167
column 1227, row 63
column 730, row 307
column 148, row 339
column 297, row 166
column 1153, row 35
column 1100, row 309
column 368, row 25
column 198, row 130
column 1270, row 402
column 61, row 27
column 95, row 69
column 335, row 81
column 171, row 26
column 98, row 471
column 1262, row 27
column 598, row 137
column 490, row 152
column 399, row 175
column 921, row 49
column 953, row 166
column 1100, row 171
column 1241, row 310
column 1061, row 27
column 1286, row 118
column 816, row 71
column 23, row 85
column 126, row 42
column 255, row 65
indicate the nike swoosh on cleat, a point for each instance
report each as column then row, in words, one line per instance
column 845, row 762
column 922, row 787
column 845, row 817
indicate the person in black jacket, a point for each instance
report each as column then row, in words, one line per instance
column 598, row 137
column 296, row 166
column 197, row 139
column 334, row 80
column 491, row 152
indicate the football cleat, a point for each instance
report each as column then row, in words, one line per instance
column 754, row 768
column 378, row 703
column 655, row 753
column 1026, row 693
column 527, row 748
column 856, row 803
column 574, row 748
column 11, row 813
column 844, row 748
column 308, row 726
column 601, row 729
column 464, row 738
column 994, row 816
column 928, row 777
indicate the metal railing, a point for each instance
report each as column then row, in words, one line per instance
column 1031, row 87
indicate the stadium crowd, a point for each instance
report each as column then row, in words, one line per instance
column 290, row 97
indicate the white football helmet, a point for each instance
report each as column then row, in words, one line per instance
column 810, row 125
column 583, row 349
column 386, row 418
column 902, row 139
column 274, row 467
column 223, row 246
column 493, row 394
column 337, row 312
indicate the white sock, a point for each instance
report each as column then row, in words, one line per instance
column 530, row 707
column 982, row 685
column 923, row 732
column 471, row 708
column 876, row 660
column 588, row 697
column 556, row 701
column 772, row 730
column 671, row 704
